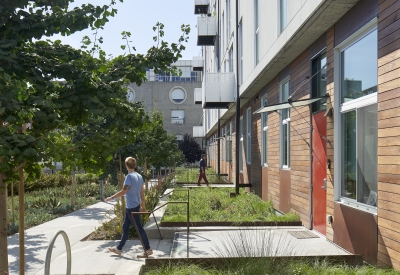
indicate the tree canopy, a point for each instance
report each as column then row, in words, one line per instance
column 47, row 86
column 190, row 148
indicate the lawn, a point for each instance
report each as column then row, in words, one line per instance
column 270, row 267
column 50, row 203
column 216, row 205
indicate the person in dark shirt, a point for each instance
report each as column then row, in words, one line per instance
column 202, row 170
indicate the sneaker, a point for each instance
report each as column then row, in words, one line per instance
column 145, row 254
column 115, row 250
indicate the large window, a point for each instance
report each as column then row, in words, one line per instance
column 257, row 32
column 264, row 133
column 359, row 120
column 282, row 15
column 285, row 126
column 241, row 144
column 319, row 82
column 241, row 52
column 178, row 116
column 248, row 135
column 177, row 95
column 228, row 140
column 231, row 60
column 228, row 21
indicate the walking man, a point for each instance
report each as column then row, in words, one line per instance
column 202, row 170
column 133, row 190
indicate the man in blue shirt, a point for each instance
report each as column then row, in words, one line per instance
column 133, row 190
column 202, row 170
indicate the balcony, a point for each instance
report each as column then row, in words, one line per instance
column 198, row 131
column 197, row 96
column 197, row 64
column 206, row 30
column 201, row 6
column 219, row 90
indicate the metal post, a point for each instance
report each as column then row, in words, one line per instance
column 101, row 190
column 237, row 102
column 219, row 146
column 21, row 211
column 187, row 225
column 50, row 250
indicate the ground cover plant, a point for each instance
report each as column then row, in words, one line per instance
column 47, row 204
column 270, row 267
column 191, row 174
column 216, row 205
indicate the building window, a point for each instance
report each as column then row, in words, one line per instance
column 231, row 60
column 285, row 126
column 319, row 82
column 264, row 133
column 177, row 95
column 222, row 36
column 248, row 135
column 228, row 22
column 359, row 120
column 241, row 52
column 228, row 141
column 282, row 15
column 257, row 32
column 241, row 145
column 179, row 137
column 131, row 95
column 178, row 116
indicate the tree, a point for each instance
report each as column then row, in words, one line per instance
column 91, row 85
column 190, row 148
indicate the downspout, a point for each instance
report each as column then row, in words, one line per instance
column 219, row 146
column 311, row 174
column 237, row 142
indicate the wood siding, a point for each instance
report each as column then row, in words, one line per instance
column 389, row 133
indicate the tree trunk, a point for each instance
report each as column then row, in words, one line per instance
column 121, row 184
column 12, row 203
column 21, row 200
column 3, row 226
column 145, row 174
column 72, row 187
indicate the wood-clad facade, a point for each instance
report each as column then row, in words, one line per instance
column 360, row 114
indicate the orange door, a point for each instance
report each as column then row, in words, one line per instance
column 319, row 172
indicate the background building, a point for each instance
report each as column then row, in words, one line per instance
column 174, row 97
column 334, row 161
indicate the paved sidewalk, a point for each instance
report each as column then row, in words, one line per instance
column 91, row 257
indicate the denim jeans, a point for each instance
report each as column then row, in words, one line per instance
column 125, row 228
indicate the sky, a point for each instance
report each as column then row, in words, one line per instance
column 139, row 17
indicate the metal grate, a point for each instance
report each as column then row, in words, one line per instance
column 303, row 234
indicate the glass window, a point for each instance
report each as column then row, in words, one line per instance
column 178, row 116
column 179, row 137
column 285, row 127
column 248, row 135
column 177, row 95
column 282, row 15
column 131, row 95
column 228, row 21
column 359, row 68
column 264, row 133
column 231, row 60
column 319, row 82
column 257, row 31
column 359, row 120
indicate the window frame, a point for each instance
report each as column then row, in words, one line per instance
column 248, row 135
column 175, row 88
column 264, row 133
column 346, row 107
column 183, row 119
column 284, row 123
column 282, row 19
column 256, row 33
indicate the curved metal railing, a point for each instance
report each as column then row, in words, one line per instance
column 50, row 250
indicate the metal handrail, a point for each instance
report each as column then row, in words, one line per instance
column 152, row 212
column 50, row 250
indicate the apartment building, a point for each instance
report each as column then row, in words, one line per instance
column 173, row 96
column 300, row 101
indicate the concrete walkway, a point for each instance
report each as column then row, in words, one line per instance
column 93, row 257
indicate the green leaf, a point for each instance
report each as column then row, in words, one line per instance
column 30, row 139
column 102, row 68
column 2, row 110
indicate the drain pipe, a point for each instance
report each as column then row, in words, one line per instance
column 237, row 142
column 219, row 145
